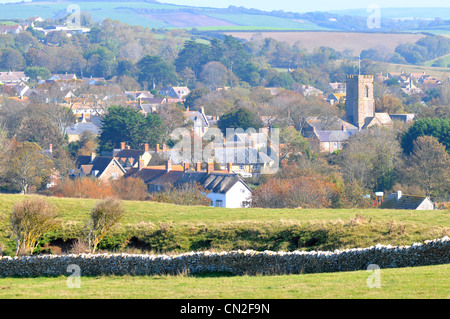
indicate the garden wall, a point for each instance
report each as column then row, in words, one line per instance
column 236, row 262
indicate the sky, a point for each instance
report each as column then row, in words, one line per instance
column 304, row 5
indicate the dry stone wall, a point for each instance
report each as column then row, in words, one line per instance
column 236, row 262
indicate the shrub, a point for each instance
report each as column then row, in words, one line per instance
column 187, row 194
column 84, row 188
column 30, row 220
column 104, row 218
column 130, row 188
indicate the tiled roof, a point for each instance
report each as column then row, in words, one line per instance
column 79, row 128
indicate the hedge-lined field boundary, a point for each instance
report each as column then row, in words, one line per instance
column 248, row 262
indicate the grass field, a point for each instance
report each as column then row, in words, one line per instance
column 418, row 282
column 161, row 227
column 339, row 41
column 441, row 73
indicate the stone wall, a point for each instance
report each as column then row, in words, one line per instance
column 237, row 262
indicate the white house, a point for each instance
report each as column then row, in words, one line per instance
column 226, row 190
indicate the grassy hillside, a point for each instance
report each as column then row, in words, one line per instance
column 153, row 15
column 157, row 227
column 403, row 283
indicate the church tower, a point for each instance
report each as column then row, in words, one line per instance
column 359, row 101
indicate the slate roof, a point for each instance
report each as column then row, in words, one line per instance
column 404, row 202
column 100, row 163
column 79, row 128
column 214, row 182
column 334, row 136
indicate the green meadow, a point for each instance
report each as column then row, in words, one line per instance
column 150, row 227
column 430, row 282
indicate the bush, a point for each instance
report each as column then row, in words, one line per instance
column 104, row 218
column 84, row 188
column 30, row 220
column 187, row 194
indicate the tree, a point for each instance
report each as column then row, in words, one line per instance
column 28, row 167
column 11, row 59
column 239, row 118
column 437, row 127
column 371, row 158
column 193, row 56
column 428, row 166
column 105, row 216
column 30, row 219
column 156, row 71
column 305, row 190
column 214, row 75
column 37, row 73
column 389, row 104
column 123, row 124
column 194, row 95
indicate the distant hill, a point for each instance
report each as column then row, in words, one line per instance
column 154, row 14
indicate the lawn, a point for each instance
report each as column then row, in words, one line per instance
column 418, row 282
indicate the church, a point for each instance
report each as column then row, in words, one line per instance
column 360, row 103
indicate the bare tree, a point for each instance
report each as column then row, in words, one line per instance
column 104, row 218
column 30, row 220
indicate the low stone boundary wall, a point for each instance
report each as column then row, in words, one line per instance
column 236, row 262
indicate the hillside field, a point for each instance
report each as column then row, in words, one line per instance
column 150, row 227
column 340, row 41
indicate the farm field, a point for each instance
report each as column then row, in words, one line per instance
column 435, row 71
column 405, row 283
column 339, row 41
column 150, row 227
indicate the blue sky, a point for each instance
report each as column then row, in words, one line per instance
column 304, row 5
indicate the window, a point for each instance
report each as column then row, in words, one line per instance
column 366, row 91
column 115, row 175
column 219, row 203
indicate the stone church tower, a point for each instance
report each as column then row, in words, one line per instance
column 359, row 101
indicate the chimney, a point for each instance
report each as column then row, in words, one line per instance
column 146, row 148
column 122, row 145
column 210, row 168
column 399, row 194
column 128, row 147
column 164, row 146
column 229, row 167
column 186, row 166
column 157, row 148
column 169, row 165
column 344, row 128
column 141, row 163
column 92, row 157
column 198, row 167
column 202, row 110
column 50, row 148
column 187, row 109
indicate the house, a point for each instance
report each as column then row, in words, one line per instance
column 308, row 90
column 12, row 29
column 136, row 95
column 13, row 77
column 104, row 168
column 75, row 130
column 330, row 141
column 61, row 77
column 132, row 158
column 411, row 202
column 200, row 121
column 335, row 98
column 93, row 81
column 150, row 105
column 337, row 87
column 225, row 190
column 175, row 92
